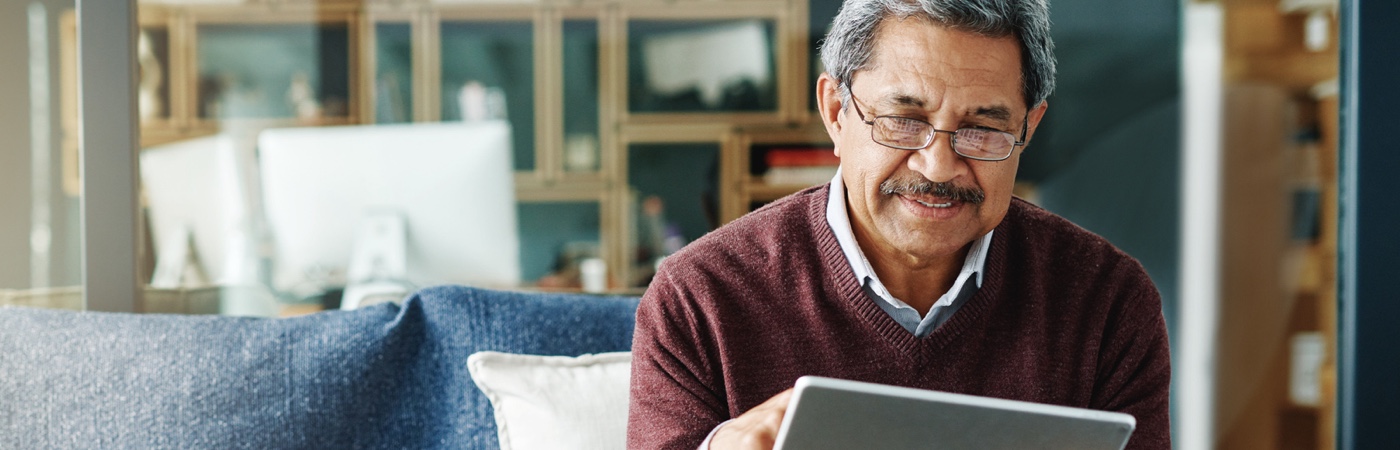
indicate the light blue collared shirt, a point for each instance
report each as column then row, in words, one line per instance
column 840, row 222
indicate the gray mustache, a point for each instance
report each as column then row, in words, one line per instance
column 925, row 187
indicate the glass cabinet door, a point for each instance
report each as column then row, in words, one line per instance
column 488, row 72
column 581, row 108
column 269, row 70
column 701, row 66
column 556, row 237
column 393, row 72
column 153, row 82
column 675, row 187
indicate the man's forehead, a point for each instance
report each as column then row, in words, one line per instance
column 964, row 59
column 976, row 84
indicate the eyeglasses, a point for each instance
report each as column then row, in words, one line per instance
column 913, row 134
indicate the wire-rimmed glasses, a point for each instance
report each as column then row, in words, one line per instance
column 906, row 133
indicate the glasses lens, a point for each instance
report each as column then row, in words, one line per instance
column 901, row 133
column 979, row 143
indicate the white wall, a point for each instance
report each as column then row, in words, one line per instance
column 16, row 163
column 14, row 146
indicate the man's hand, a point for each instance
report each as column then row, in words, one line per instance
column 755, row 429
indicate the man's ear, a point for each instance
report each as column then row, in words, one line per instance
column 1033, row 119
column 829, row 107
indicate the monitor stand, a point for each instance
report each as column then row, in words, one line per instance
column 378, row 271
column 178, row 264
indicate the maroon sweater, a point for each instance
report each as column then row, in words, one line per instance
column 1062, row 317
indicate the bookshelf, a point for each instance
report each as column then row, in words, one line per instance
column 749, row 148
column 1279, row 280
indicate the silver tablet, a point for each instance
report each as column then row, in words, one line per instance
column 827, row 413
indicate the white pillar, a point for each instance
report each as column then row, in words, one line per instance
column 1202, row 66
column 107, row 144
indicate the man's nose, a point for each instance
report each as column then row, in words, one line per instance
column 938, row 162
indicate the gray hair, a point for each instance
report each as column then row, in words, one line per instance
column 850, row 43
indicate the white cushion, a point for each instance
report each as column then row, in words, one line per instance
column 556, row 402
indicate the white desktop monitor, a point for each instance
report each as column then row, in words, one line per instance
column 199, row 210
column 451, row 183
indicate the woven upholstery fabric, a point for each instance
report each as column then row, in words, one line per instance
column 386, row 376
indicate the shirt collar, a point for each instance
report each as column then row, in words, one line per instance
column 840, row 222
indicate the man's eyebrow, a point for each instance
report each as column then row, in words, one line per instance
column 1000, row 113
column 905, row 100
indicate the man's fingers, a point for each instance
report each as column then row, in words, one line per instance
column 778, row 404
column 755, row 429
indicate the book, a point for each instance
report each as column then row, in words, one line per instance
column 800, row 166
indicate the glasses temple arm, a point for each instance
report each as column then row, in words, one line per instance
column 1025, row 127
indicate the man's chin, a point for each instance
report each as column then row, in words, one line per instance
column 934, row 248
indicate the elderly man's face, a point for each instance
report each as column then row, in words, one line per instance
column 951, row 79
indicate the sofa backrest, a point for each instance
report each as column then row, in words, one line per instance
column 385, row 376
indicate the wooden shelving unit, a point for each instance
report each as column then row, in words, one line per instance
column 750, row 189
column 548, row 168
column 1279, row 259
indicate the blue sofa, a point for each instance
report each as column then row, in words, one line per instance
column 386, row 376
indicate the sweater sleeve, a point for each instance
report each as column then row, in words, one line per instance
column 1134, row 374
column 676, row 398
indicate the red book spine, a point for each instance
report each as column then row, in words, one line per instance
column 801, row 157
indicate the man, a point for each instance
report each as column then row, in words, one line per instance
column 915, row 266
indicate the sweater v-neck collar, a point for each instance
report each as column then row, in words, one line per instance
column 967, row 281
column 852, row 295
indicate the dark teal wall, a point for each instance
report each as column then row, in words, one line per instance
column 1369, row 251
column 1107, row 155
